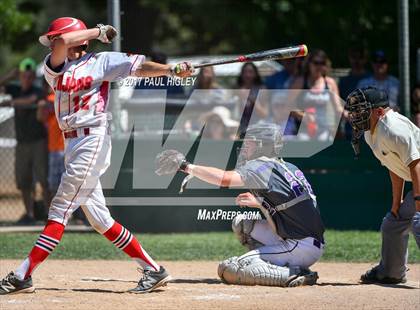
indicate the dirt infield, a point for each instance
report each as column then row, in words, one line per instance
column 75, row 284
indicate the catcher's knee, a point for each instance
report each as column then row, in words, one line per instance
column 242, row 228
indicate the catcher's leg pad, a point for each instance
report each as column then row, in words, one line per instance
column 242, row 228
column 255, row 271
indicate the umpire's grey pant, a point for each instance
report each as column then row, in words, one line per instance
column 395, row 233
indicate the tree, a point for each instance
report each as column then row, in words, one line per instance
column 12, row 21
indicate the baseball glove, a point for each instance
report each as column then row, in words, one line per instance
column 169, row 162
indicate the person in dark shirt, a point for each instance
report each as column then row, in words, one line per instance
column 278, row 83
column 31, row 158
column 290, row 239
column 357, row 59
column 415, row 104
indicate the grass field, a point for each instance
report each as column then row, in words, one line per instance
column 342, row 246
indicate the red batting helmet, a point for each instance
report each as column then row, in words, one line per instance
column 62, row 25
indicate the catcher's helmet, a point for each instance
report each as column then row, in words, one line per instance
column 268, row 138
column 62, row 25
column 359, row 104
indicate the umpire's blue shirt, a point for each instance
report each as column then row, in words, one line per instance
column 279, row 182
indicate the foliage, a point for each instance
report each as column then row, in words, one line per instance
column 12, row 21
column 193, row 27
column 202, row 27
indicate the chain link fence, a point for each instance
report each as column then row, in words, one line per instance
column 11, row 204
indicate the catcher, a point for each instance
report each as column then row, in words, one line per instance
column 395, row 141
column 290, row 239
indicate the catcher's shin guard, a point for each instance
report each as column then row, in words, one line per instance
column 255, row 271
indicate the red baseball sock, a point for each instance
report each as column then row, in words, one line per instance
column 46, row 243
column 124, row 240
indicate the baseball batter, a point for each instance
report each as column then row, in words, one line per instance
column 81, row 81
column 290, row 239
column 395, row 141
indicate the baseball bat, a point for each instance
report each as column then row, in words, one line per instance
column 275, row 54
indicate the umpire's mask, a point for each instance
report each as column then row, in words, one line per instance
column 261, row 139
column 360, row 104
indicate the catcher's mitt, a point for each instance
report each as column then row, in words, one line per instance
column 169, row 162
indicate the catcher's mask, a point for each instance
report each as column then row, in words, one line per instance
column 267, row 140
column 360, row 104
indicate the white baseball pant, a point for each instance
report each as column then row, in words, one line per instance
column 86, row 158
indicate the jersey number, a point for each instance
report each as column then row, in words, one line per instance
column 299, row 187
column 81, row 105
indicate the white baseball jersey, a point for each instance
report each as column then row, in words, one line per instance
column 395, row 142
column 82, row 86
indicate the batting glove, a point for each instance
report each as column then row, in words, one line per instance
column 182, row 70
column 107, row 33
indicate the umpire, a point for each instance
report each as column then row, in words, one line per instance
column 395, row 141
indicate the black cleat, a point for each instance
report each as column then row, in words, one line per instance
column 151, row 280
column 12, row 285
column 371, row 277
column 306, row 277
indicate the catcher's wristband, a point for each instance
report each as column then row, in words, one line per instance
column 184, row 165
column 417, row 198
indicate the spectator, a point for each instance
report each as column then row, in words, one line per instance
column 284, row 78
column 55, row 139
column 322, row 92
column 381, row 79
column 281, row 116
column 171, row 90
column 278, row 97
column 249, row 86
column 31, row 149
column 219, row 124
column 206, row 80
column 415, row 105
column 357, row 59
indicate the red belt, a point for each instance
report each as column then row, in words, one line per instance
column 73, row 133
